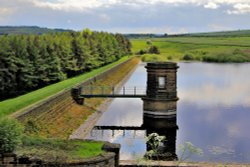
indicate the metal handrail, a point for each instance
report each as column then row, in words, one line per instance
column 112, row 90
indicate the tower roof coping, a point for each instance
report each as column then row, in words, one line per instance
column 162, row 65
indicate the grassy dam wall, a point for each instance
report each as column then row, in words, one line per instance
column 63, row 100
column 59, row 115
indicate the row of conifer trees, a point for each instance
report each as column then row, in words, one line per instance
column 28, row 62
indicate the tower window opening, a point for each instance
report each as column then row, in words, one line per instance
column 161, row 82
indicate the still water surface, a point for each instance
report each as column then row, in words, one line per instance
column 213, row 113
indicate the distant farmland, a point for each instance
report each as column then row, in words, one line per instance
column 209, row 49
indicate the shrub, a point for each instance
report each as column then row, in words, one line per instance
column 10, row 135
column 154, row 141
column 153, row 50
column 170, row 57
column 234, row 56
column 153, row 58
column 187, row 57
column 31, row 127
column 141, row 52
column 237, row 51
column 149, row 42
column 150, row 50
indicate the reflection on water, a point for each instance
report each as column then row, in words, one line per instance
column 164, row 127
column 132, row 141
column 214, row 110
column 213, row 113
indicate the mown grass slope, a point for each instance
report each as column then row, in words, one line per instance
column 12, row 105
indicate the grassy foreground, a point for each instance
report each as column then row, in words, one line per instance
column 14, row 139
column 12, row 105
column 208, row 49
column 58, row 150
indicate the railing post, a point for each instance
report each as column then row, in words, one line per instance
column 135, row 90
column 113, row 90
column 102, row 90
column 123, row 90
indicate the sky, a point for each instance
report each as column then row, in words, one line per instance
column 129, row 16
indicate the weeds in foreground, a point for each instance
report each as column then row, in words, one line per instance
column 154, row 141
column 187, row 150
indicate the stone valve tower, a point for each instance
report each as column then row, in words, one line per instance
column 161, row 97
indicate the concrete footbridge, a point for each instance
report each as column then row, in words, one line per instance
column 112, row 92
column 159, row 97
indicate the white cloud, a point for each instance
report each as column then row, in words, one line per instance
column 237, row 6
column 211, row 5
column 69, row 5
column 240, row 9
column 145, row 16
column 231, row 91
column 221, row 96
column 5, row 11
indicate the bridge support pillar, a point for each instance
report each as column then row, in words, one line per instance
column 75, row 93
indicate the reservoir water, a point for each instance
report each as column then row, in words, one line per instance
column 213, row 113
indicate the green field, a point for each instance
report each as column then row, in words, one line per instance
column 12, row 105
column 209, row 49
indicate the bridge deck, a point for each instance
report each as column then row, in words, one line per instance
column 111, row 92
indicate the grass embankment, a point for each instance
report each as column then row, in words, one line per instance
column 58, row 150
column 12, row 105
column 208, row 49
column 12, row 139
column 61, row 124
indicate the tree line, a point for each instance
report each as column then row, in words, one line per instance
column 29, row 62
column 8, row 30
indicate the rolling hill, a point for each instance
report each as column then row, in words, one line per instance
column 6, row 30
